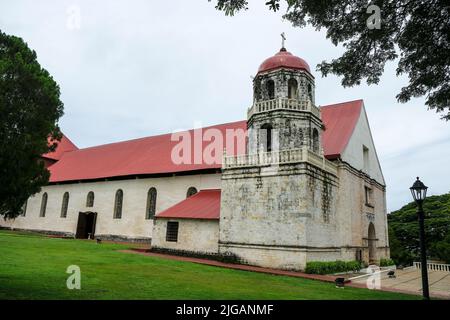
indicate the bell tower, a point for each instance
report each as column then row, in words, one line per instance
column 278, row 200
column 283, row 115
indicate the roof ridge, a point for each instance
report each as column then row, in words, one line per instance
column 68, row 139
column 339, row 103
column 157, row 135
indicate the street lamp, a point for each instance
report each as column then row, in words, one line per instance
column 419, row 193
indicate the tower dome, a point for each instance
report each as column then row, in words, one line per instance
column 284, row 59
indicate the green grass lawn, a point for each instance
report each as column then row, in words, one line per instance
column 34, row 267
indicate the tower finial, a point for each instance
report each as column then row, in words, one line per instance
column 283, row 38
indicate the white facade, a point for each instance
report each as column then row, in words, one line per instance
column 132, row 225
column 361, row 138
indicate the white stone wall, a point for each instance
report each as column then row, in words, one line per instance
column 133, row 224
column 353, row 152
column 199, row 235
column 354, row 216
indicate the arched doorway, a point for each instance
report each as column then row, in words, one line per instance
column 372, row 239
column 86, row 225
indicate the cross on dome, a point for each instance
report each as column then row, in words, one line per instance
column 283, row 38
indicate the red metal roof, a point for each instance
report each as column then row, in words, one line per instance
column 65, row 145
column 340, row 120
column 152, row 155
column 202, row 205
column 284, row 59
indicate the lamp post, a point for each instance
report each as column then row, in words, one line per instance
column 419, row 193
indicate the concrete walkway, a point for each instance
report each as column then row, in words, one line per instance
column 410, row 280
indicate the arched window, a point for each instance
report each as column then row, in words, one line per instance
column 24, row 208
column 266, row 137
column 118, row 204
column 300, row 137
column 310, row 93
column 90, row 199
column 257, row 90
column 43, row 205
column 315, row 141
column 191, row 191
column 292, row 88
column 151, row 203
column 65, row 205
column 270, row 87
column 372, row 242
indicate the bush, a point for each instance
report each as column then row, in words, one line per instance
column 226, row 257
column 386, row 262
column 329, row 267
column 353, row 266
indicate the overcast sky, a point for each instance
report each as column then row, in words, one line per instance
column 129, row 69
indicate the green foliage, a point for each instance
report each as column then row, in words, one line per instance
column 330, row 267
column 404, row 230
column 386, row 262
column 231, row 6
column 414, row 32
column 29, row 110
column 442, row 249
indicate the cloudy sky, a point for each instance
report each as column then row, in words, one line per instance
column 129, row 69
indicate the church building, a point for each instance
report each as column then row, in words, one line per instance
column 292, row 183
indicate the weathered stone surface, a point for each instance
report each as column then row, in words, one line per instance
column 291, row 130
column 282, row 216
column 305, row 85
column 284, row 207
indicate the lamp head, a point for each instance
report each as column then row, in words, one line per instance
column 418, row 190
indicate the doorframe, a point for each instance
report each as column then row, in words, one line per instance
column 94, row 224
column 372, row 243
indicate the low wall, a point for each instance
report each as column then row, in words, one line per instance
column 194, row 235
column 267, row 256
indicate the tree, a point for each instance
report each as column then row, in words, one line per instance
column 404, row 230
column 415, row 31
column 442, row 249
column 29, row 111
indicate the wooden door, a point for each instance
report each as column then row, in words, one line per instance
column 81, row 226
